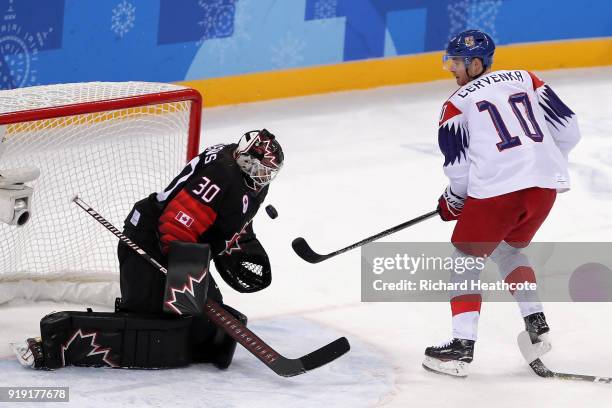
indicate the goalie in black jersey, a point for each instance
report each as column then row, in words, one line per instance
column 212, row 201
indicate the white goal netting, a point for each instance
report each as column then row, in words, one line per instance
column 110, row 143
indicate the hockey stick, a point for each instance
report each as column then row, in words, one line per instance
column 301, row 247
column 286, row 367
column 533, row 358
column 540, row 369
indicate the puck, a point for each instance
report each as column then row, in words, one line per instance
column 271, row 211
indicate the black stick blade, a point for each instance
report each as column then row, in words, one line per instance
column 301, row 247
column 288, row 367
column 326, row 354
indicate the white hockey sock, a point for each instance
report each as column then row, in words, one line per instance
column 515, row 267
column 528, row 307
column 465, row 325
column 528, row 300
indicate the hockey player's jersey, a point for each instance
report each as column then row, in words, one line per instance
column 503, row 132
column 208, row 202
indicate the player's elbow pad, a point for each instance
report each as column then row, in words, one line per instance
column 246, row 270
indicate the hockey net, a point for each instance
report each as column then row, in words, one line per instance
column 110, row 143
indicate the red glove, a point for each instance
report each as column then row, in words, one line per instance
column 450, row 205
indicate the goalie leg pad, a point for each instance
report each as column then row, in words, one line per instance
column 129, row 340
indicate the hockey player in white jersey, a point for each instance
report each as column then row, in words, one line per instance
column 505, row 136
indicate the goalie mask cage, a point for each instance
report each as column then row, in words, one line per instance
column 113, row 144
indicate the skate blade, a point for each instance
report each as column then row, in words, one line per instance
column 23, row 353
column 544, row 345
column 453, row 368
column 533, row 351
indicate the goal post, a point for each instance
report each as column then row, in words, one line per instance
column 113, row 143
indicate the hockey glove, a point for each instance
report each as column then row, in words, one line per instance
column 450, row 205
column 245, row 270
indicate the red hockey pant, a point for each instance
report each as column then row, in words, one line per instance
column 484, row 223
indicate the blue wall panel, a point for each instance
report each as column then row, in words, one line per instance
column 53, row 41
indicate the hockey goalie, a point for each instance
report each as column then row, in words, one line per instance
column 205, row 212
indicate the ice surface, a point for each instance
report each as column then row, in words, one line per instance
column 357, row 380
column 356, row 163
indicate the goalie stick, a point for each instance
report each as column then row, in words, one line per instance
column 301, row 247
column 286, row 367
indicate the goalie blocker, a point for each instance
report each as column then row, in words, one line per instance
column 140, row 340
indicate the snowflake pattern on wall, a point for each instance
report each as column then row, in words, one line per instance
column 468, row 14
column 224, row 47
column 218, row 19
column 123, row 18
column 324, row 9
column 287, row 52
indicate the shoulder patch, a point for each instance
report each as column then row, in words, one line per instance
column 448, row 111
column 537, row 82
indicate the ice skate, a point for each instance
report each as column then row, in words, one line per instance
column 29, row 353
column 534, row 342
column 452, row 358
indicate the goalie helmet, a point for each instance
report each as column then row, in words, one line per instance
column 259, row 156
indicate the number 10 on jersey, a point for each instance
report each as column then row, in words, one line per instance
column 508, row 141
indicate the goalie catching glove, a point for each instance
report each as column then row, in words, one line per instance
column 247, row 269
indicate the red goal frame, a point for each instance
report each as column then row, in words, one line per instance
column 179, row 95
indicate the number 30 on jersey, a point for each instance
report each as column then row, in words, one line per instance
column 206, row 190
